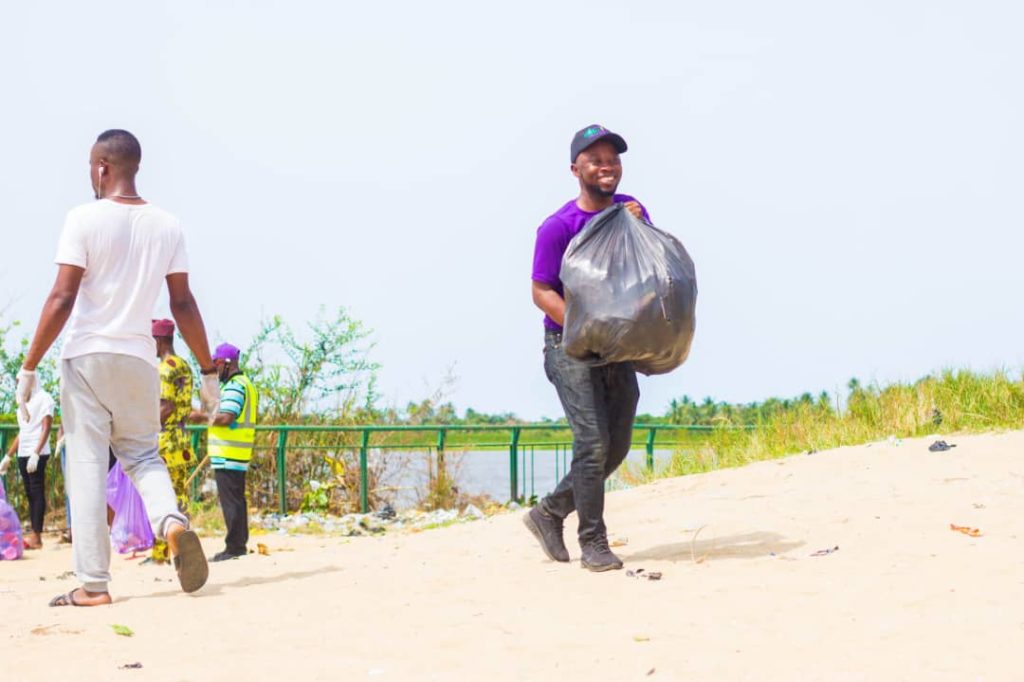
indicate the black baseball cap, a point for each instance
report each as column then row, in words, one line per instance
column 591, row 134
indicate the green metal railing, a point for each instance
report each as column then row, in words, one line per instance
column 440, row 438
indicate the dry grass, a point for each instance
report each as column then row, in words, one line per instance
column 953, row 401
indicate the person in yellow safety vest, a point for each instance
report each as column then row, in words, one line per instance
column 229, row 444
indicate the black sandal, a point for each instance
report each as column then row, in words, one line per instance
column 69, row 599
column 65, row 599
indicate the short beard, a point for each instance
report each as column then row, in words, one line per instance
column 596, row 191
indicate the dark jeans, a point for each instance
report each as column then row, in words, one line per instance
column 600, row 405
column 231, row 491
column 35, row 490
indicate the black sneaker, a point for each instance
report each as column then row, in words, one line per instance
column 224, row 556
column 597, row 556
column 548, row 531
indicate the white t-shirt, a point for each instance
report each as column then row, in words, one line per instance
column 127, row 251
column 40, row 405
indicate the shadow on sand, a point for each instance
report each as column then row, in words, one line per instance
column 707, row 546
column 214, row 589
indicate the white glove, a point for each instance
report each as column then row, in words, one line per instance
column 4, row 464
column 22, row 394
column 209, row 394
column 33, row 463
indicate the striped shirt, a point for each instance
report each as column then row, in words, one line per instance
column 232, row 401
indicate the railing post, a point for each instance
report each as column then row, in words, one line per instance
column 194, row 486
column 3, row 450
column 364, row 472
column 442, row 471
column 513, row 465
column 650, row 448
column 282, row 491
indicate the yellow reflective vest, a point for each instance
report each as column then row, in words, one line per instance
column 230, row 447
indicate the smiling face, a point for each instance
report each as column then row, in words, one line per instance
column 599, row 169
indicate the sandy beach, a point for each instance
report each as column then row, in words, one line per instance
column 742, row 597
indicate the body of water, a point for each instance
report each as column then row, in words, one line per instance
column 487, row 472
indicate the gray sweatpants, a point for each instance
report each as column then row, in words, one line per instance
column 111, row 401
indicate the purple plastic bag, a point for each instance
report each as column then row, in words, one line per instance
column 130, row 531
column 12, row 544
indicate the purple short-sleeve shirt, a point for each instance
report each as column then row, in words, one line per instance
column 553, row 237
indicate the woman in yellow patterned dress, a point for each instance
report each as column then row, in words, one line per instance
column 175, row 408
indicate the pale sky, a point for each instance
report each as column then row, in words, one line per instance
column 847, row 177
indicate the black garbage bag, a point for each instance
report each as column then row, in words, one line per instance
column 630, row 294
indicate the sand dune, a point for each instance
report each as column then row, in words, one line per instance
column 904, row 597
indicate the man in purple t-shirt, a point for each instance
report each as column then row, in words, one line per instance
column 599, row 401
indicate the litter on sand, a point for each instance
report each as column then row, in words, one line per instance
column 646, row 575
column 941, row 446
column 966, row 530
column 826, row 551
column 130, row 666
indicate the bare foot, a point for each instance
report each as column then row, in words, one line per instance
column 174, row 531
column 33, row 541
column 81, row 597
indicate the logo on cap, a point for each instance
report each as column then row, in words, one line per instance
column 592, row 130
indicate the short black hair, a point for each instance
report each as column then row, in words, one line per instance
column 121, row 146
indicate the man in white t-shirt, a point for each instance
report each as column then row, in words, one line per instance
column 32, row 445
column 113, row 258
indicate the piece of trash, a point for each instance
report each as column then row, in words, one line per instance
column 641, row 638
column 894, row 441
column 978, row 505
column 65, row 575
column 650, row 672
column 123, row 630
column 130, row 666
column 966, row 530
column 693, row 547
column 619, row 542
column 54, row 629
column 941, row 446
column 262, row 549
column 641, row 573
column 826, row 551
